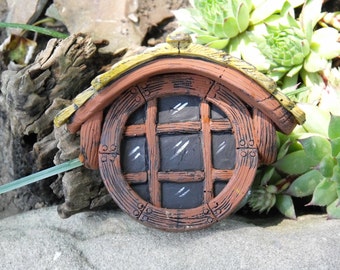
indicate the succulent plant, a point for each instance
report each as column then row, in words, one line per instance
column 283, row 45
column 293, row 47
column 216, row 21
column 269, row 35
column 308, row 164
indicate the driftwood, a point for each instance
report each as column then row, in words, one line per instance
column 29, row 99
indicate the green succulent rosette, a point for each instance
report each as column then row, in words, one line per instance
column 215, row 22
column 283, row 45
column 288, row 49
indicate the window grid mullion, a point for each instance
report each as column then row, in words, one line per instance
column 153, row 152
column 206, row 148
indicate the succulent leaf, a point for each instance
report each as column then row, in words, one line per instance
column 228, row 28
column 310, row 15
column 333, row 210
column 325, row 193
column 18, row 49
column 268, row 173
column 189, row 19
column 204, row 39
column 243, row 17
column 252, row 54
column 325, row 42
column 316, row 148
column 261, row 200
column 295, row 163
column 314, row 62
column 334, row 127
column 284, row 149
column 234, row 47
column 292, row 74
column 296, row 3
column 336, row 177
column 317, row 121
column 305, row 184
column 326, row 166
column 265, row 9
column 271, row 189
column 285, row 205
column 218, row 44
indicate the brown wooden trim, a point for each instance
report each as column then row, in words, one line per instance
column 206, row 147
column 265, row 137
column 220, row 125
column 190, row 126
column 222, row 175
column 136, row 178
column 135, row 130
column 243, row 87
column 181, row 177
column 153, row 153
column 90, row 133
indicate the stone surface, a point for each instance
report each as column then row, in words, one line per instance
column 3, row 10
column 101, row 20
column 17, row 14
column 124, row 24
column 112, row 240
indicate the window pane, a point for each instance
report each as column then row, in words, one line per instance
column 178, row 109
column 219, row 186
column 181, row 152
column 224, row 151
column 182, row 195
column 142, row 190
column 133, row 155
column 138, row 117
column 217, row 113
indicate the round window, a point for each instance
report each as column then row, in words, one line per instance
column 177, row 151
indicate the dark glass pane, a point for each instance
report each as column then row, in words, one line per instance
column 224, row 151
column 218, row 187
column 178, row 109
column 142, row 190
column 182, row 195
column 133, row 155
column 181, row 152
column 137, row 117
column 217, row 113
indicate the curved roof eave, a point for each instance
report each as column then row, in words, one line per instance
column 179, row 48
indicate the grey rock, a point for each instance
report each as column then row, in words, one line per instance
column 17, row 14
column 123, row 25
column 39, row 239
